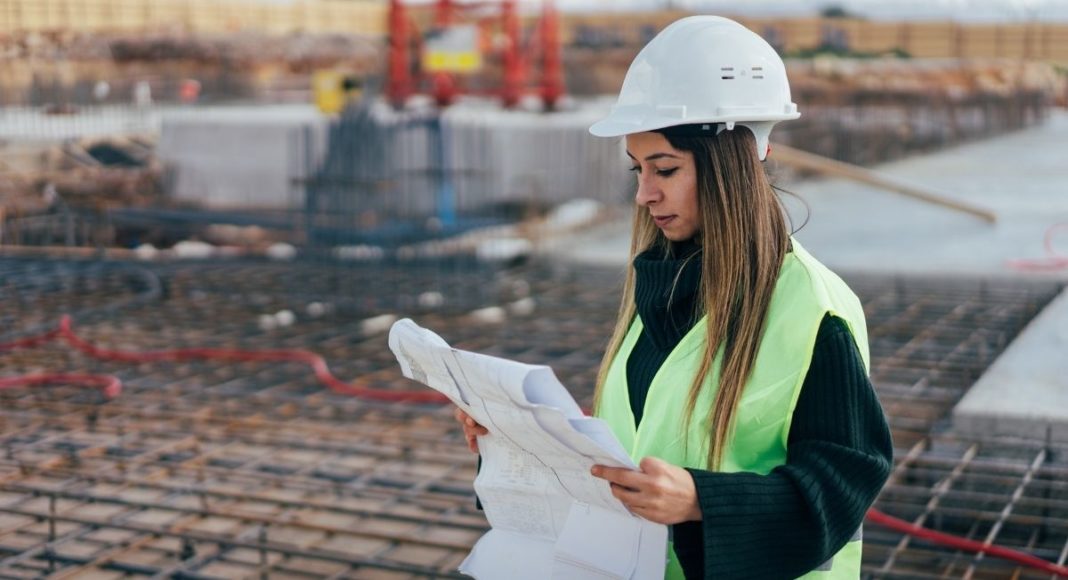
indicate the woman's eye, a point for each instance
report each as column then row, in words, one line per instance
column 659, row 172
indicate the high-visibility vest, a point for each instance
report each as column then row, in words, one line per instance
column 804, row 293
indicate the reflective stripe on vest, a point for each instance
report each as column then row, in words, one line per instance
column 804, row 293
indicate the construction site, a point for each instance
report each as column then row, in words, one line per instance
column 211, row 213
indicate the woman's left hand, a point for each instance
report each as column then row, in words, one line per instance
column 660, row 492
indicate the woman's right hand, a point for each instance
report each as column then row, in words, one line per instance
column 471, row 429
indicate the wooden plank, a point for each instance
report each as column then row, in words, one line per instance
column 201, row 16
column 979, row 41
column 800, row 34
column 929, row 39
column 369, row 17
column 1013, row 42
column 826, row 166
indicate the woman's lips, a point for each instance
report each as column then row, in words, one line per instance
column 662, row 221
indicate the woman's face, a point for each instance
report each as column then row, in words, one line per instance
column 667, row 184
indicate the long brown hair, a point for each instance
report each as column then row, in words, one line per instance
column 744, row 240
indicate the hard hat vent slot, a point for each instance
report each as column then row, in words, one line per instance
column 727, row 69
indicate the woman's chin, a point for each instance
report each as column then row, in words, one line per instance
column 677, row 236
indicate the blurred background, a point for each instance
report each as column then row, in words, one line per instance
column 206, row 204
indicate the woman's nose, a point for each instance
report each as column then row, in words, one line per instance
column 647, row 192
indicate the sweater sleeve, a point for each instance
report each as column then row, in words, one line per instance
column 788, row 522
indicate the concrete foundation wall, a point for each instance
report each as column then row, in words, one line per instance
column 243, row 157
column 531, row 156
column 259, row 158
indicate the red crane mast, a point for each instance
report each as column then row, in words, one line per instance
column 404, row 81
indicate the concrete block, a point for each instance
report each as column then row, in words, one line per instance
column 1025, row 392
column 241, row 157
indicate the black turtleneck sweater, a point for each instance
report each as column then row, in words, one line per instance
column 839, row 451
column 665, row 295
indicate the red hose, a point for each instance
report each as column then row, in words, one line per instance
column 1054, row 259
column 109, row 385
column 317, row 363
column 31, row 341
column 1022, row 558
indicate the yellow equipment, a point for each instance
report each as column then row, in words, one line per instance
column 333, row 89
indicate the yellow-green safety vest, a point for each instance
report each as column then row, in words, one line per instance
column 804, row 293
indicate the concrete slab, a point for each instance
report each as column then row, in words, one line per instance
column 1021, row 176
column 1025, row 392
column 857, row 228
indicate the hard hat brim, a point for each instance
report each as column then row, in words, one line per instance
column 613, row 126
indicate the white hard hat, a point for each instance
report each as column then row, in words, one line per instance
column 703, row 70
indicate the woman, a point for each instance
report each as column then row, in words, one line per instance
column 737, row 372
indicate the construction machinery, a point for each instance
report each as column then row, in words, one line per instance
column 442, row 58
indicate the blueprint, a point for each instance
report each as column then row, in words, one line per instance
column 549, row 517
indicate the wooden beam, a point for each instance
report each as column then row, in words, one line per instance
column 834, row 168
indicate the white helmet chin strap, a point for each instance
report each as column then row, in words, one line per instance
column 761, row 131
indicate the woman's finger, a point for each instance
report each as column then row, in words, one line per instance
column 478, row 428
column 631, row 498
column 468, row 423
column 624, row 477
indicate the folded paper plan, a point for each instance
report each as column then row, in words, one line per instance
column 549, row 517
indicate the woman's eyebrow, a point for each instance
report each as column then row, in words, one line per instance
column 656, row 156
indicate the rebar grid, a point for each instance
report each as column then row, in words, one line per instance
column 932, row 338
column 223, row 470
column 1010, row 492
